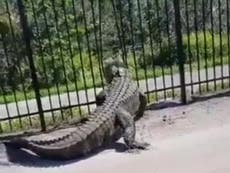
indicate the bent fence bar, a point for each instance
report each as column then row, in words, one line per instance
column 52, row 52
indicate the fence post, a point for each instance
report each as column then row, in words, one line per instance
column 180, row 51
column 29, row 52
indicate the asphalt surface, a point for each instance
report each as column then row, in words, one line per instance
column 190, row 138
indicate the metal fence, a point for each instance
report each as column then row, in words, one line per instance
column 51, row 53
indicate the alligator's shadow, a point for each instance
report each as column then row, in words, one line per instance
column 28, row 159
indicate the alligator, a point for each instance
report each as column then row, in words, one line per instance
column 120, row 104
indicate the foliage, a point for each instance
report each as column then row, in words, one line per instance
column 13, row 67
column 202, row 46
column 71, row 37
column 206, row 46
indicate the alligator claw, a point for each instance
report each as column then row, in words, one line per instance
column 140, row 146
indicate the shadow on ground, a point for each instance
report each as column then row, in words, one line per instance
column 26, row 158
column 163, row 104
column 194, row 98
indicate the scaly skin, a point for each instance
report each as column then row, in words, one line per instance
column 121, row 103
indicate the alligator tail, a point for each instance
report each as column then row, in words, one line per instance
column 17, row 143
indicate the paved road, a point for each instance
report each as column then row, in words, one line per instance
column 201, row 152
column 194, row 138
column 73, row 97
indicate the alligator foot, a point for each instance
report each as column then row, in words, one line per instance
column 138, row 146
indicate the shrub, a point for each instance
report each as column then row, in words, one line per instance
column 156, row 56
column 167, row 56
column 197, row 46
column 50, row 74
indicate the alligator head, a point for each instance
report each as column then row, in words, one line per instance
column 113, row 67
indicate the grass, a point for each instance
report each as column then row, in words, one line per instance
column 69, row 116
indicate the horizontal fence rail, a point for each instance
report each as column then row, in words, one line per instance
column 52, row 53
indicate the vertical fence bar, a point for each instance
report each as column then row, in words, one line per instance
column 169, row 45
column 99, row 58
column 205, row 44
column 160, row 44
column 51, row 51
column 19, row 65
column 76, row 25
column 56, row 17
column 221, row 48
column 18, row 62
column 143, row 48
column 100, row 5
column 71, row 58
column 26, row 36
column 42, row 55
column 7, row 110
column 7, row 107
column 120, row 7
column 151, row 46
column 130, row 6
column 180, row 51
column 188, row 32
column 197, row 43
column 88, row 46
column 118, row 29
column 213, row 44
column 15, row 61
column 4, row 93
column 13, row 90
column 228, row 39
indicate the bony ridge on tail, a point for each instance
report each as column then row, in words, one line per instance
column 119, row 105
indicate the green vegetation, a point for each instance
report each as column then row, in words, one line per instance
column 70, row 40
column 152, row 63
column 33, row 122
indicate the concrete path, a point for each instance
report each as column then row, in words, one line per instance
column 91, row 97
column 192, row 138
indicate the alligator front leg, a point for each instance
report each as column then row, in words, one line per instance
column 126, row 120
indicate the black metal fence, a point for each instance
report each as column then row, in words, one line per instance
column 52, row 51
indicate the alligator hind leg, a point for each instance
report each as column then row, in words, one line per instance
column 126, row 120
column 142, row 106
